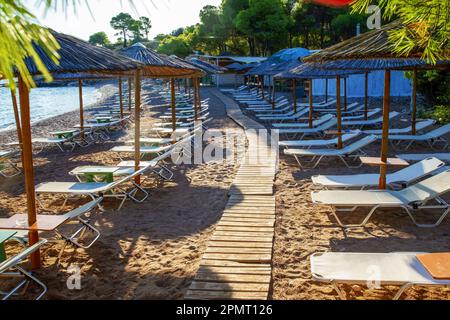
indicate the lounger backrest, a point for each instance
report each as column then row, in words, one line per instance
column 417, row 170
column 349, row 136
column 427, row 189
column 83, row 209
column 15, row 260
column 424, row 124
column 323, row 119
column 359, row 144
column 327, row 125
column 439, row 132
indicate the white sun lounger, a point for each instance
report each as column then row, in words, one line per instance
column 419, row 157
column 96, row 190
column 421, row 125
column 431, row 138
column 371, row 122
column 410, row 199
column 352, row 151
column 371, row 113
column 11, row 268
column 318, row 143
column 6, row 164
column 282, row 118
column 350, row 108
column 319, row 104
column 402, row 178
column 397, row 268
column 300, row 133
column 316, row 122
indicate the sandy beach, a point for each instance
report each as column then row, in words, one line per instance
column 153, row 250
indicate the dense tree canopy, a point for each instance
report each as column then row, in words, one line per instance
column 100, row 39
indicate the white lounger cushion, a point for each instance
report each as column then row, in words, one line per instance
column 150, row 149
column 417, row 193
column 436, row 133
column 419, row 126
column 319, row 129
column 289, row 117
column 392, row 115
column 333, row 152
column 406, row 175
column 316, row 123
column 394, row 268
column 419, row 157
column 318, row 143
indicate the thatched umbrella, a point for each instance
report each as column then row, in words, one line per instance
column 310, row 71
column 75, row 56
column 160, row 66
column 374, row 51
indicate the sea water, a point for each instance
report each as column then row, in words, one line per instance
column 46, row 102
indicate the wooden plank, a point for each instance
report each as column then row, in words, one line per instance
column 246, row 223
column 243, row 234
column 237, row 270
column 224, row 295
column 218, row 286
column 228, row 237
column 245, row 229
column 232, row 264
column 236, row 278
column 245, row 257
column 240, row 244
column 240, row 250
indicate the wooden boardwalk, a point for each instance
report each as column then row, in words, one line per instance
column 237, row 261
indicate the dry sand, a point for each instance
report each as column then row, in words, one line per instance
column 146, row 251
column 152, row 250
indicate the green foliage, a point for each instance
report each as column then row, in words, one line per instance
column 100, row 39
column 440, row 113
column 174, row 45
column 126, row 25
column 18, row 30
column 427, row 26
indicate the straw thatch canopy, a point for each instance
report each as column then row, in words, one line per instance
column 312, row 71
column 80, row 56
column 209, row 68
column 158, row 65
column 369, row 51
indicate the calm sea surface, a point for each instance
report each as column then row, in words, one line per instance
column 45, row 103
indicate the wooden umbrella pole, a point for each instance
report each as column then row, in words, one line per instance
column 345, row 94
column 27, row 159
column 172, row 92
column 80, row 96
column 273, row 93
column 120, row 98
column 129, row 94
column 199, row 98
column 294, row 94
column 194, row 92
column 338, row 111
column 16, row 116
column 385, row 135
column 310, row 103
column 137, row 123
column 326, row 90
column 414, row 103
column 262, row 88
column 366, row 94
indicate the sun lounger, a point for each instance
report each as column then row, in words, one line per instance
column 371, row 122
column 431, row 138
column 11, row 268
column 352, row 151
column 360, row 116
column 316, row 122
column 419, row 157
column 319, row 104
column 402, row 178
column 412, row 198
column 6, row 164
column 282, row 118
column 300, row 133
column 306, row 144
column 76, row 237
column 96, row 190
column 421, row 125
column 350, row 108
column 397, row 268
